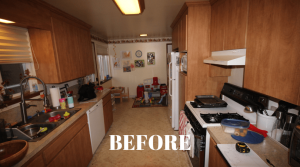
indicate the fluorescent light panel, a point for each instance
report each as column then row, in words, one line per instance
column 129, row 6
column 5, row 21
column 143, row 35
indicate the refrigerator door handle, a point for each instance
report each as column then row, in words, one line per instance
column 170, row 78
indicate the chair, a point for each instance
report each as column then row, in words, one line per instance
column 126, row 94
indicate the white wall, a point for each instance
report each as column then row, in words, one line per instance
column 132, row 79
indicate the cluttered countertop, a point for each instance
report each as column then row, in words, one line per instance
column 268, row 149
column 35, row 147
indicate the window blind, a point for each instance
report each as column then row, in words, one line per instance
column 101, row 50
column 14, row 45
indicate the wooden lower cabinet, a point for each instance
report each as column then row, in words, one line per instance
column 215, row 157
column 77, row 153
column 71, row 148
column 37, row 162
column 108, row 115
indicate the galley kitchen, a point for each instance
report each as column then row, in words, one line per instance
column 202, row 83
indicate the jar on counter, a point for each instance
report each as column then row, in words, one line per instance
column 62, row 103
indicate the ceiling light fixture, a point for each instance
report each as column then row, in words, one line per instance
column 5, row 21
column 143, row 35
column 130, row 7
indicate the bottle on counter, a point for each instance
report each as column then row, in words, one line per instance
column 62, row 103
column 70, row 102
column 278, row 126
column 287, row 131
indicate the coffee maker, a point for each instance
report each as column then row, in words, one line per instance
column 294, row 156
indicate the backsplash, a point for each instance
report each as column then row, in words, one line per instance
column 14, row 114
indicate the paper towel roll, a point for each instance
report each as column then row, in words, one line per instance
column 55, row 96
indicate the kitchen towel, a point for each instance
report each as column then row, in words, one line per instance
column 183, row 120
column 55, row 96
column 251, row 137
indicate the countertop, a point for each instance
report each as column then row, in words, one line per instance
column 35, row 147
column 268, row 149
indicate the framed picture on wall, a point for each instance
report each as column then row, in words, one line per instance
column 126, row 66
column 126, row 55
column 139, row 63
column 116, row 62
column 151, row 58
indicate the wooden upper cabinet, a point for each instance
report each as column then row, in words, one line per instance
column 273, row 40
column 63, row 54
column 218, row 19
column 236, row 24
column 183, row 33
column 229, row 24
column 175, row 37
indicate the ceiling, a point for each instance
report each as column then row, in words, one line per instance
column 109, row 23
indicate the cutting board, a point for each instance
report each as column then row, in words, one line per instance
column 236, row 159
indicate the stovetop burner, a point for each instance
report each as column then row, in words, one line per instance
column 217, row 118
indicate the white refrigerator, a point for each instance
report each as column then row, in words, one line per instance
column 173, row 74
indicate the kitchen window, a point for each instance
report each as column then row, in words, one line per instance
column 15, row 58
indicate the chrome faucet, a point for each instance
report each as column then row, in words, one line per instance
column 24, row 106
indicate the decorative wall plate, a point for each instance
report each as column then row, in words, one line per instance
column 138, row 53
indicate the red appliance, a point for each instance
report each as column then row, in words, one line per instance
column 163, row 89
column 140, row 91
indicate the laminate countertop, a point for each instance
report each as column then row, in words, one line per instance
column 35, row 147
column 268, row 149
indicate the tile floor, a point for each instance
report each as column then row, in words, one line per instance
column 139, row 121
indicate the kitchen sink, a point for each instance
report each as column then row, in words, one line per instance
column 41, row 120
column 32, row 129
column 45, row 117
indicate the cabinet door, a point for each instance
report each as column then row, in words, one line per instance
column 236, row 24
column 42, row 45
column 181, row 90
column 108, row 115
column 218, row 20
column 183, row 36
column 175, row 37
column 272, row 61
column 36, row 162
column 77, row 153
column 215, row 157
column 74, row 56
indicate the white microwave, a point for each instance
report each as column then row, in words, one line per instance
column 184, row 63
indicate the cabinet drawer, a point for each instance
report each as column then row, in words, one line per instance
column 106, row 98
column 61, row 141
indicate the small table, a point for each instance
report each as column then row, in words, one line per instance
column 118, row 90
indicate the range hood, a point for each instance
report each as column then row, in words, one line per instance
column 235, row 57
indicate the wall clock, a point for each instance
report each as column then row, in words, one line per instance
column 138, row 53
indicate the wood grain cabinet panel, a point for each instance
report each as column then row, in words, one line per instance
column 273, row 40
column 175, row 37
column 236, row 25
column 63, row 54
column 218, row 20
column 36, row 162
column 198, row 26
column 183, row 32
column 61, row 141
column 229, row 24
column 42, row 47
column 78, row 151
column 215, row 157
column 108, row 115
